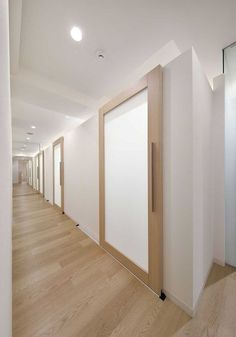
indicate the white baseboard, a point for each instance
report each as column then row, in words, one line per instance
column 202, row 289
column 219, row 262
column 88, row 232
column 179, row 303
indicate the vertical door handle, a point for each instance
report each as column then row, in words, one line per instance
column 153, row 147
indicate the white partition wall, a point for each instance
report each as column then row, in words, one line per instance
column 81, row 176
column 58, row 173
column 126, row 179
column 5, row 178
column 188, row 167
column 230, row 154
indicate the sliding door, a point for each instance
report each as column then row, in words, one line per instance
column 58, row 173
column 37, row 173
column 131, row 179
column 41, row 172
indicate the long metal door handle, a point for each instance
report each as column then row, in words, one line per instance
column 60, row 173
column 153, row 175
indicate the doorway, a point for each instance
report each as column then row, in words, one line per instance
column 130, row 132
column 41, row 172
column 58, row 173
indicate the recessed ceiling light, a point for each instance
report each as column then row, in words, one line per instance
column 22, row 149
column 28, row 138
column 33, row 127
column 24, row 145
column 76, row 34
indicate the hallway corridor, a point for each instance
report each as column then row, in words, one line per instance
column 64, row 285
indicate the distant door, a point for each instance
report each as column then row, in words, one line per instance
column 30, row 172
column 41, row 172
column 58, row 173
column 37, row 173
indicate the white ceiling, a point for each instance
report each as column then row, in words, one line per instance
column 55, row 74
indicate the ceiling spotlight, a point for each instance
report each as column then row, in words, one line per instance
column 76, row 34
column 28, row 138
column 33, row 127
column 24, row 145
column 22, row 149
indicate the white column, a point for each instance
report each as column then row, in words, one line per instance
column 5, row 178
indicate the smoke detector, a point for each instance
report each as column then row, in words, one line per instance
column 100, row 55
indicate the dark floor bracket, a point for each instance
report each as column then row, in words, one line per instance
column 162, row 296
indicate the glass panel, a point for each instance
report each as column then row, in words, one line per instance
column 126, row 179
column 57, row 186
column 230, row 153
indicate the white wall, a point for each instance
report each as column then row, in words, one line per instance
column 230, row 169
column 202, row 174
column 188, row 250
column 218, row 174
column 15, row 177
column 81, row 176
column 48, row 171
column 178, row 180
column 5, row 178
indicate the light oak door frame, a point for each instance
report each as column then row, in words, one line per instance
column 61, row 142
column 153, row 83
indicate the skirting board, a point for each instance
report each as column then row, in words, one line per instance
column 219, row 262
column 203, row 286
column 180, row 304
column 85, row 229
column 190, row 311
column 88, row 232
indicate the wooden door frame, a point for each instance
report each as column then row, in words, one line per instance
column 153, row 83
column 59, row 141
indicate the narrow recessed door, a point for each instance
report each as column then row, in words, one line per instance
column 131, row 179
column 41, row 171
column 37, row 173
column 58, row 174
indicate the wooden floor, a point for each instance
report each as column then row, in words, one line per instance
column 64, row 285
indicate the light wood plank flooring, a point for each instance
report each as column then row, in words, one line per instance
column 64, row 285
